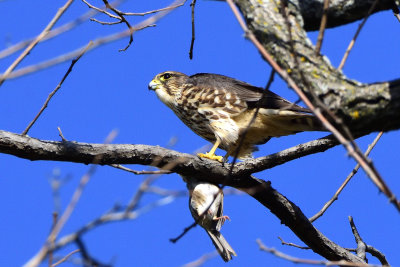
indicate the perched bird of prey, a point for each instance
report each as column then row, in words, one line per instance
column 206, row 205
column 220, row 109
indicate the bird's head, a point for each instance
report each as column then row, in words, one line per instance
column 168, row 85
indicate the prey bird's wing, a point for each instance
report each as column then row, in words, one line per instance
column 219, row 200
column 252, row 95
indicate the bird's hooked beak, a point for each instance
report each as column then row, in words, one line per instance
column 154, row 84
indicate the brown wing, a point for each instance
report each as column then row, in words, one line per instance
column 247, row 92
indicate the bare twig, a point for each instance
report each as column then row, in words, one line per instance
column 118, row 166
column 308, row 261
column 122, row 18
column 106, row 22
column 56, row 89
column 291, row 244
column 170, row 144
column 87, row 259
column 346, row 181
column 101, row 10
column 37, row 259
column 65, row 258
column 133, row 13
column 55, row 217
column 203, row 259
column 350, row 146
column 361, row 246
column 322, row 27
column 51, row 34
column 306, row 248
column 61, row 134
column 145, row 185
column 192, row 5
column 155, row 11
column 351, row 44
column 187, row 229
column 46, row 30
column 115, row 215
column 56, row 181
column 134, row 202
column 165, row 192
column 149, row 22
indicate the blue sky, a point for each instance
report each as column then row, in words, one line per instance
column 108, row 90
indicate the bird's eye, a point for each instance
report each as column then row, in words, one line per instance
column 166, row 76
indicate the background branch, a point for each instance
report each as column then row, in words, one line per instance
column 149, row 22
column 43, row 34
column 346, row 181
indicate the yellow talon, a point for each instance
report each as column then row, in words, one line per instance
column 211, row 154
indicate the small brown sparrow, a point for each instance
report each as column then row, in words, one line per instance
column 206, row 205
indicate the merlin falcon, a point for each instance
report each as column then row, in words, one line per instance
column 220, row 109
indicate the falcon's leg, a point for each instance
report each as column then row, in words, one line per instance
column 226, row 157
column 211, row 154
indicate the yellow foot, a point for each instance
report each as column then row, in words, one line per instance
column 212, row 156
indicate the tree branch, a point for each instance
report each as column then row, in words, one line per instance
column 362, row 107
column 185, row 164
column 340, row 11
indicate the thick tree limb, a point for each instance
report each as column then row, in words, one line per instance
column 35, row 149
column 340, row 11
column 291, row 215
column 364, row 107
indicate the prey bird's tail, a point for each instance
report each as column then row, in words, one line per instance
column 222, row 246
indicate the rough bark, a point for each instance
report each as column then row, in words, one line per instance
column 189, row 165
column 363, row 107
column 340, row 11
column 185, row 164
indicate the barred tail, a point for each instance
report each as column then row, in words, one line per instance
column 308, row 123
